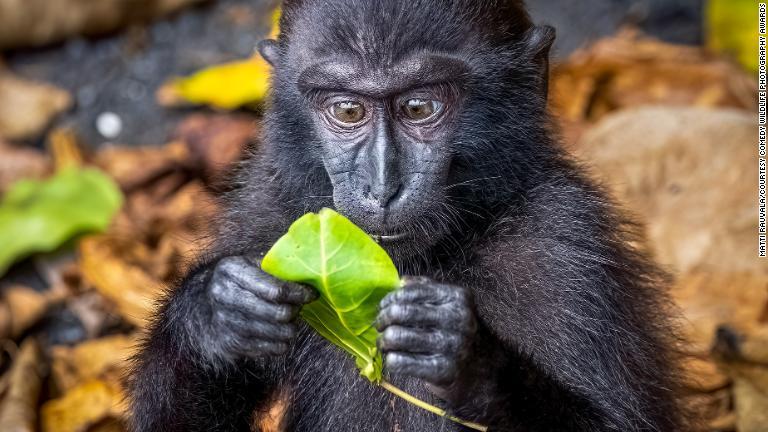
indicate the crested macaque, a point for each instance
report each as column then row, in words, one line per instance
column 526, row 303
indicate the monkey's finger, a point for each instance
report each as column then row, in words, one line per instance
column 405, row 339
column 253, row 279
column 249, row 328
column 256, row 348
column 450, row 316
column 227, row 294
column 437, row 369
column 423, row 290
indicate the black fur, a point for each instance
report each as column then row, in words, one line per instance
column 572, row 331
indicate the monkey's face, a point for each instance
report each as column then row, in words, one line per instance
column 409, row 118
column 385, row 137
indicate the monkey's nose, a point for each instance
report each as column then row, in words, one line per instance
column 383, row 194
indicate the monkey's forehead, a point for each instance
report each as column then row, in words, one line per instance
column 386, row 31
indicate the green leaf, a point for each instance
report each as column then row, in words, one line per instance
column 40, row 216
column 351, row 272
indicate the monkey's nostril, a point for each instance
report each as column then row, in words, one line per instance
column 384, row 196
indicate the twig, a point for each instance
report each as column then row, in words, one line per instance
column 431, row 408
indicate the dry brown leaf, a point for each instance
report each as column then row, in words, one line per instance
column 630, row 70
column 742, row 352
column 703, row 375
column 105, row 359
column 709, row 300
column 21, row 307
column 136, row 167
column 83, row 406
column 127, row 285
column 65, row 148
column 216, row 141
column 18, row 410
column 18, row 162
column 109, row 425
column 683, row 171
column 713, row 411
column 39, row 22
column 28, row 107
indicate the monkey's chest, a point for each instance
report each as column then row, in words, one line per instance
column 323, row 391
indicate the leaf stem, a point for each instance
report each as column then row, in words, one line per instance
column 431, row 408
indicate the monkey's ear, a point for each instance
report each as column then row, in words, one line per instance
column 269, row 50
column 539, row 40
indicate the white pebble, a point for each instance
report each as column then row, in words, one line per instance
column 109, row 125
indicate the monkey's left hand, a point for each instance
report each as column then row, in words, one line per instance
column 427, row 330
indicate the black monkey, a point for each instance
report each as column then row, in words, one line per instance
column 424, row 121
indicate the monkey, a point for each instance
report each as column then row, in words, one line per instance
column 528, row 302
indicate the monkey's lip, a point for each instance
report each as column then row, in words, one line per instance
column 388, row 237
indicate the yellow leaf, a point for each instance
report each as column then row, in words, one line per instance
column 227, row 86
column 83, row 406
column 732, row 29
column 275, row 24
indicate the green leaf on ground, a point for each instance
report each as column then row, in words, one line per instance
column 40, row 216
column 351, row 272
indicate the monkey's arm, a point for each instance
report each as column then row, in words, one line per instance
column 568, row 340
column 205, row 363
column 545, row 330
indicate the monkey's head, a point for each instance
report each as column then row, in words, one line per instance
column 406, row 116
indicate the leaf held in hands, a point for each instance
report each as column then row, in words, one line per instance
column 39, row 216
column 351, row 272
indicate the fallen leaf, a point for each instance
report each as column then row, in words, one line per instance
column 65, row 148
column 28, row 107
column 732, row 28
column 26, row 23
column 105, row 359
column 18, row 411
column 39, row 216
column 743, row 354
column 216, row 141
column 128, row 286
column 17, row 162
column 20, row 308
column 227, row 86
column 83, row 406
column 135, row 167
column 702, row 375
column 631, row 70
column 709, row 300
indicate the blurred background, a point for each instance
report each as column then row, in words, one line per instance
column 119, row 120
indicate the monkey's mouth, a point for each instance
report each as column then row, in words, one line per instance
column 387, row 238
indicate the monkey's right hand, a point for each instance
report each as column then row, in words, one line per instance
column 253, row 313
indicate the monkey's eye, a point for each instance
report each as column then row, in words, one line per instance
column 348, row 112
column 420, row 109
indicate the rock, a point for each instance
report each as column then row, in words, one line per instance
column 28, row 107
column 690, row 174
